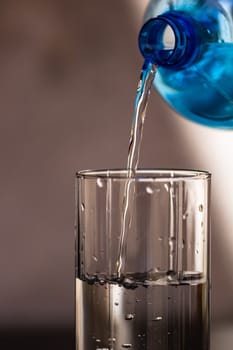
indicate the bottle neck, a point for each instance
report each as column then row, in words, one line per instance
column 171, row 40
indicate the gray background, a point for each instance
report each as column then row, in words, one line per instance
column 68, row 77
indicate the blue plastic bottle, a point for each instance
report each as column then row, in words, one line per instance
column 191, row 41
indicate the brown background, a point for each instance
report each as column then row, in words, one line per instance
column 68, row 77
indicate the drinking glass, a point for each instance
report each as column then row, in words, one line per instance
column 142, row 260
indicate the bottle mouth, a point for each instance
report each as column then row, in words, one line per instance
column 169, row 40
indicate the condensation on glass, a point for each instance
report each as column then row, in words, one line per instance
column 161, row 297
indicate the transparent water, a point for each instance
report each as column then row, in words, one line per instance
column 202, row 92
column 142, row 316
column 142, row 97
column 141, row 102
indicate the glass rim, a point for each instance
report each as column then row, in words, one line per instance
column 147, row 174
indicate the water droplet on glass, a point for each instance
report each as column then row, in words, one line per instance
column 100, row 183
column 170, row 275
column 129, row 317
column 101, row 281
column 116, row 303
column 149, row 190
column 185, row 215
column 98, row 340
column 158, row 318
column 201, row 207
column 197, row 251
column 146, row 283
column 126, row 346
column 94, row 258
column 171, row 240
column 166, row 187
column 160, row 238
column 111, row 340
column 82, row 206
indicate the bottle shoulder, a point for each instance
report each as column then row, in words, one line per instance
column 215, row 15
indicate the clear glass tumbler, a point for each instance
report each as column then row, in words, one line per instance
column 142, row 263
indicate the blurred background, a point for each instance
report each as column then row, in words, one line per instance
column 68, row 76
